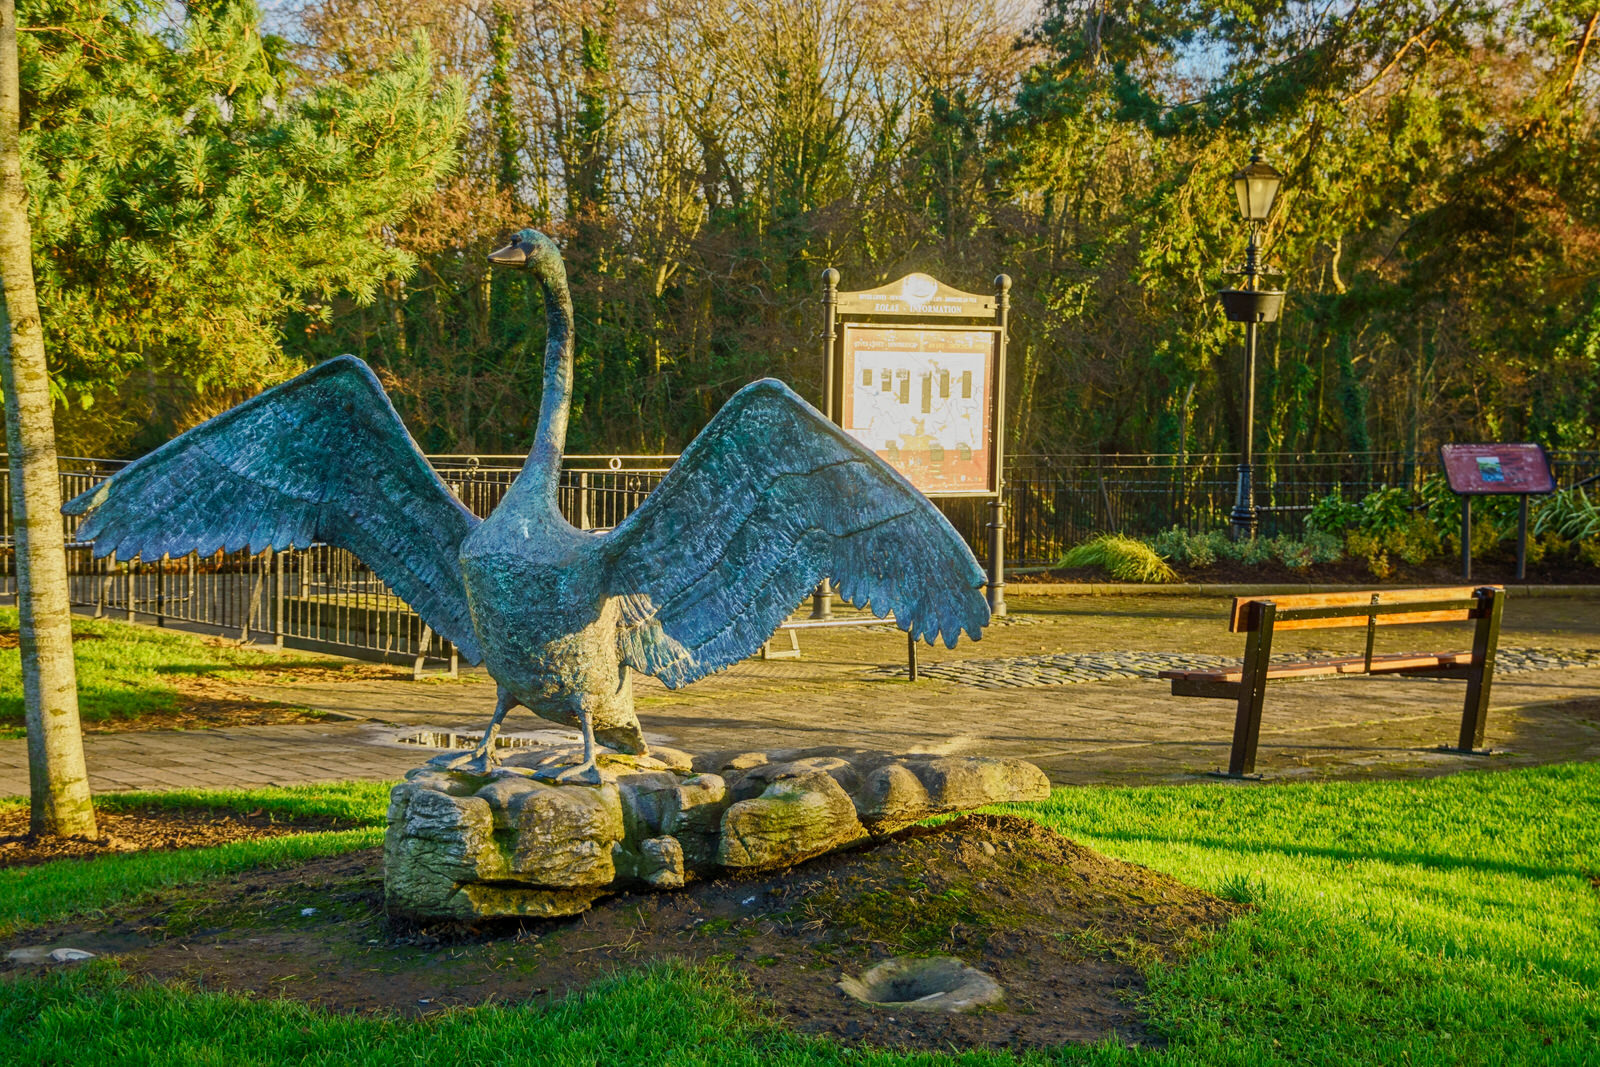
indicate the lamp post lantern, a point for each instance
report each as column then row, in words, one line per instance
column 1256, row 186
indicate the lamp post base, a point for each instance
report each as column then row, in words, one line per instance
column 1242, row 519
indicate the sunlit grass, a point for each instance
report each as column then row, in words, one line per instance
column 127, row 671
column 53, row 891
column 1448, row 921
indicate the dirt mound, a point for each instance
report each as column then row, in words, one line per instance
column 1063, row 929
column 153, row 830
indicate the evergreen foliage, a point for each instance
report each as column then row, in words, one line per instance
column 189, row 189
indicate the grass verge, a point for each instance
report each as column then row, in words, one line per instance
column 127, row 671
column 1448, row 921
column 51, row 892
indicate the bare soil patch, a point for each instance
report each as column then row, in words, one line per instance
column 1063, row 929
column 147, row 830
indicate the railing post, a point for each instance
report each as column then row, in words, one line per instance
column 277, row 599
column 161, row 590
column 997, row 557
column 822, row 599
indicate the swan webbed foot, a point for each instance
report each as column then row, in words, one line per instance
column 479, row 761
column 586, row 773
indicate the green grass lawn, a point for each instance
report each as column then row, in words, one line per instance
column 127, row 671
column 1448, row 921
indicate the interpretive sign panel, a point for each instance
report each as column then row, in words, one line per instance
column 917, row 295
column 923, row 399
column 1497, row 469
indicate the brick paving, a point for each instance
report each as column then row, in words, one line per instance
column 849, row 689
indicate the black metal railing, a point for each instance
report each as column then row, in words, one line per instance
column 323, row 597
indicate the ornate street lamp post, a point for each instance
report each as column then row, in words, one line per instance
column 1257, row 187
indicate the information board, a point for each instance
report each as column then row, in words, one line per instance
column 911, row 375
column 923, row 399
column 1484, row 470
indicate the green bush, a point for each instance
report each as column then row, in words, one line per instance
column 1192, row 550
column 1388, row 524
column 1324, row 547
column 1204, row 549
column 1332, row 514
column 1569, row 513
column 1124, row 558
column 1255, row 551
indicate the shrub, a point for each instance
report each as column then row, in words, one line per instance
column 1332, row 514
column 1486, row 536
column 1362, row 545
column 1415, row 541
column 1255, row 551
column 1324, row 547
column 1386, row 510
column 1442, row 507
column 1384, row 526
column 1204, row 549
column 1569, row 513
column 1124, row 558
column 1296, row 555
column 1192, row 550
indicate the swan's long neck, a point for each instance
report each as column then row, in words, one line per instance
column 536, row 484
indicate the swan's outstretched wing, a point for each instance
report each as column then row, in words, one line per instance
column 320, row 458
column 766, row 501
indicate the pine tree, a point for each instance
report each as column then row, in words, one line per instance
column 191, row 189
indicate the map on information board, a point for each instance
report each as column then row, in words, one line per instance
column 1497, row 469
column 922, row 399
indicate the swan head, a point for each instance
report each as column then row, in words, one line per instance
column 527, row 249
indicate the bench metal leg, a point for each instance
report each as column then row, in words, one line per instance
column 792, row 652
column 1252, row 694
column 1485, row 642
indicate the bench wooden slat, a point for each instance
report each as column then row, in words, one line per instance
column 1240, row 616
column 1327, row 667
column 1352, row 621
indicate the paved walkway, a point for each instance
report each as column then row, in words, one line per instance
column 842, row 692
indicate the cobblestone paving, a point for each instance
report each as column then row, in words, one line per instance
column 891, row 628
column 1073, row 668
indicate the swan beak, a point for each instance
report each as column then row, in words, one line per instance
column 514, row 254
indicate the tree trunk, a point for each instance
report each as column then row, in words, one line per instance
column 56, row 772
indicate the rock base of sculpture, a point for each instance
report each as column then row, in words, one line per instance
column 463, row 846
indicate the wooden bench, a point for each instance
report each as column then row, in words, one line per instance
column 1260, row 617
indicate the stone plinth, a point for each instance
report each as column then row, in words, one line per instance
column 463, row 846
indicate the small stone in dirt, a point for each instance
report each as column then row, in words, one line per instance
column 306, row 913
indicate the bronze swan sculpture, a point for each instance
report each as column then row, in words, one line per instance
column 767, row 499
